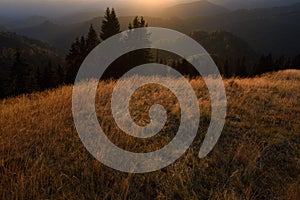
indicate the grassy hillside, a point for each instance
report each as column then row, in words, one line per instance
column 257, row 156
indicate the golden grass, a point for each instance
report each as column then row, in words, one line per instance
column 257, row 156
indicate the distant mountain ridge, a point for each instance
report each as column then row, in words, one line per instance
column 22, row 23
column 181, row 10
column 13, row 40
column 224, row 44
column 251, row 4
column 34, row 50
column 194, row 9
column 267, row 30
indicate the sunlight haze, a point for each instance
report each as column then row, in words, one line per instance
column 55, row 8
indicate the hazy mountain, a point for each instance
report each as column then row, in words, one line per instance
column 224, row 45
column 22, row 22
column 83, row 16
column 3, row 19
column 59, row 8
column 250, row 4
column 77, row 17
column 3, row 28
column 63, row 35
column 194, row 9
column 52, row 8
column 13, row 40
column 185, row 10
column 33, row 50
column 44, row 31
column 274, row 30
column 27, row 65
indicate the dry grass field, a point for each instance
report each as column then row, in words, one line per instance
column 257, row 156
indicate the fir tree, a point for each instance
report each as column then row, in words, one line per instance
column 225, row 69
column 269, row 63
column 46, row 76
column 20, row 77
column 134, row 37
column 265, row 64
column 61, row 75
column 74, row 58
column 110, row 24
column 2, row 93
column 92, row 40
column 296, row 62
column 241, row 67
column 39, row 79
column 81, row 46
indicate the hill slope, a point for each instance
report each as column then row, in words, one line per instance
column 272, row 30
column 32, row 50
column 194, row 9
column 222, row 46
column 256, row 157
column 13, row 40
column 62, row 36
column 23, row 22
column 31, row 56
column 242, row 4
column 269, row 30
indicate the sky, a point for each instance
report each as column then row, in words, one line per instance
column 62, row 7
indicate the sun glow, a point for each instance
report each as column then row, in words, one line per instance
column 154, row 3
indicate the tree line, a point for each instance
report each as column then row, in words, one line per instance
column 18, row 75
column 25, row 78
column 110, row 27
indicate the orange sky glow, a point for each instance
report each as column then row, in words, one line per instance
column 154, row 3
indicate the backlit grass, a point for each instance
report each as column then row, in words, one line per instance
column 257, row 156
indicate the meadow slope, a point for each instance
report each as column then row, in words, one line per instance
column 257, row 156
